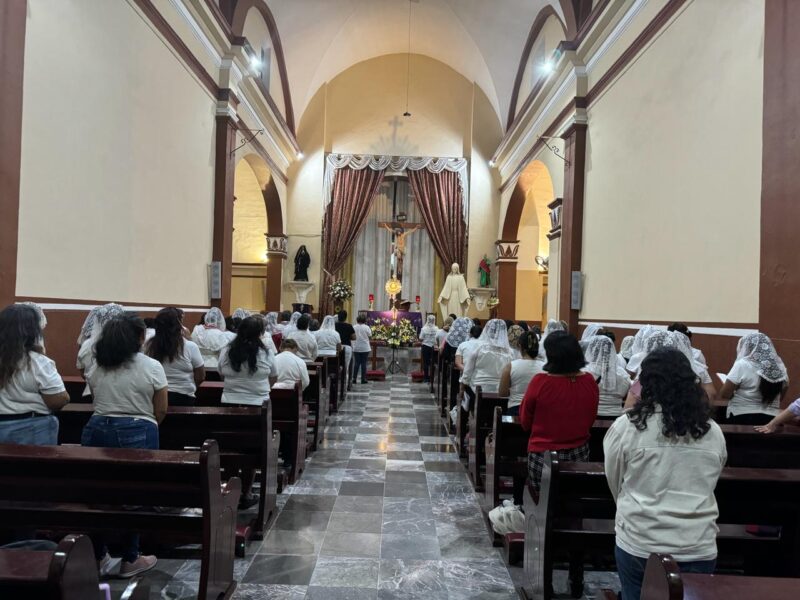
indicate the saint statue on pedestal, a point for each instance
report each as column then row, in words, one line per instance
column 454, row 297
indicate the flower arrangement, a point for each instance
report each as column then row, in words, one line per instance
column 493, row 302
column 340, row 290
column 394, row 334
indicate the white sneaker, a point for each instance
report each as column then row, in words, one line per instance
column 140, row 565
column 106, row 564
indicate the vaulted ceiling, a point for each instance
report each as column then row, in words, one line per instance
column 481, row 39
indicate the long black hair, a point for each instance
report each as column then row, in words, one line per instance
column 668, row 381
column 770, row 390
column 167, row 344
column 247, row 344
column 120, row 341
column 20, row 332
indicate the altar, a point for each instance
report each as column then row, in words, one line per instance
column 386, row 316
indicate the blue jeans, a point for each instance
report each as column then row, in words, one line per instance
column 360, row 359
column 119, row 432
column 631, row 571
column 37, row 431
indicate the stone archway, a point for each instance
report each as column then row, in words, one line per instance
column 521, row 283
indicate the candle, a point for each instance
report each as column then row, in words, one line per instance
column 372, row 297
column 417, row 300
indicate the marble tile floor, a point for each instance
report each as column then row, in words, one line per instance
column 384, row 511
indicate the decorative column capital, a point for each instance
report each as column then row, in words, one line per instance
column 277, row 246
column 555, row 218
column 507, row 251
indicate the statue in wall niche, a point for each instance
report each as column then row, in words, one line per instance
column 302, row 260
column 454, row 297
column 484, row 272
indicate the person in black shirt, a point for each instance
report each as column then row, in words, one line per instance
column 348, row 334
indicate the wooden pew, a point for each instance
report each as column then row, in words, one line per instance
column 63, row 488
column 68, row 573
column 451, row 400
column 315, row 398
column 574, row 515
column 480, row 425
column 75, row 384
column 245, row 437
column 209, row 393
column 290, row 417
column 332, row 373
column 442, row 380
column 434, row 372
column 664, row 581
column 506, row 453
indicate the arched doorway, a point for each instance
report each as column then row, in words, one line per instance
column 522, row 282
column 258, row 242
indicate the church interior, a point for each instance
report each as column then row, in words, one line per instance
column 433, row 194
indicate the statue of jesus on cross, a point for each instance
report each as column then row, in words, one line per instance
column 399, row 231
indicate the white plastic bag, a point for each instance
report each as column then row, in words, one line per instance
column 507, row 518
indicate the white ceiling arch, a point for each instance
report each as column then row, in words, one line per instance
column 482, row 40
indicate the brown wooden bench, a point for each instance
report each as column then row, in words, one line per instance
column 664, row 581
column 452, row 375
column 442, row 379
column 574, row 512
column 316, row 398
column 70, row 488
column 506, row 452
column 290, row 418
column 67, row 573
column 245, row 437
column 480, row 426
column 75, row 384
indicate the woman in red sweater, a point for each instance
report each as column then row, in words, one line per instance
column 560, row 406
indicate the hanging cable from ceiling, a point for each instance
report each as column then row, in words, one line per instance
column 408, row 62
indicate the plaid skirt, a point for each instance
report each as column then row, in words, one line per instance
column 536, row 461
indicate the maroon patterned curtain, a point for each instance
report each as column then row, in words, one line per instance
column 439, row 200
column 351, row 199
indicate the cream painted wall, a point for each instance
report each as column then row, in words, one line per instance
column 551, row 35
column 355, row 112
column 257, row 34
column 116, row 198
column 249, row 217
column 671, row 222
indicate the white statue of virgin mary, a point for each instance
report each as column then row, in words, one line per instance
column 454, row 298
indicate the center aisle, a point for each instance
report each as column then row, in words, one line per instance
column 383, row 511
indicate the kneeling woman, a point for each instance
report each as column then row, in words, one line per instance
column 662, row 462
column 130, row 400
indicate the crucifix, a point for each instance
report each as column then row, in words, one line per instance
column 399, row 229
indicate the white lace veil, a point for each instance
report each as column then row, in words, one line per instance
column 459, row 331
column 495, row 334
column 240, row 313
column 215, row 319
column 626, row 347
column 638, row 348
column 328, row 323
column 758, row 349
column 602, row 359
column 271, row 322
column 430, row 324
column 291, row 326
column 96, row 319
column 590, row 331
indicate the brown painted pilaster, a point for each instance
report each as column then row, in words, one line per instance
column 779, row 289
column 572, row 218
column 507, row 290
column 13, row 15
column 274, row 287
column 223, row 205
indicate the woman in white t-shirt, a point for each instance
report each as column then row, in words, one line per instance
column 361, row 348
column 552, row 325
column 90, row 333
column 427, row 338
column 756, row 383
column 211, row 336
column 612, row 378
column 247, row 366
column 30, row 386
column 329, row 342
column 130, row 400
column 485, row 366
column 518, row 374
column 183, row 364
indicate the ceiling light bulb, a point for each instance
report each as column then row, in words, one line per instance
column 492, row 163
column 255, row 64
column 300, row 154
column 548, row 66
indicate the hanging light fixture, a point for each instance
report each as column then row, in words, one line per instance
column 408, row 61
